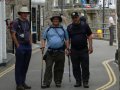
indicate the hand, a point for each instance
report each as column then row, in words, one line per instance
column 17, row 45
column 67, row 52
column 42, row 49
column 90, row 50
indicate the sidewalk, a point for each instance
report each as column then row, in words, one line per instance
column 11, row 58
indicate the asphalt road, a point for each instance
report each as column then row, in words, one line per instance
column 98, row 76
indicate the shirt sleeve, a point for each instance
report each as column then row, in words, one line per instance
column 44, row 34
column 89, row 32
column 66, row 35
column 68, row 30
column 14, row 26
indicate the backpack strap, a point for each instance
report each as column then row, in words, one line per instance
column 58, row 27
column 20, row 25
column 63, row 31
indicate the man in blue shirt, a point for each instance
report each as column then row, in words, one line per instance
column 57, row 40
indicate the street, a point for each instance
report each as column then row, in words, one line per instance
column 100, row 74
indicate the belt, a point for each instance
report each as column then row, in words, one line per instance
column 61, row 48
column 25, row 43
column 55, row 50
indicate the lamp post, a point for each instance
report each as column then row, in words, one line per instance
column 118, row 14
column 61, row 6
column 103, row 16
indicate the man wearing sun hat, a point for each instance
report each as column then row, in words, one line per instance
column 57, row 41
column 22, row 38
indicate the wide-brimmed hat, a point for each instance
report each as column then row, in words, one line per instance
column 56, row 16
column 24, row 9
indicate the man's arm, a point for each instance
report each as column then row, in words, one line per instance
column 90, row 44
column 15, row 39
column 43, row 43
column 67, row 44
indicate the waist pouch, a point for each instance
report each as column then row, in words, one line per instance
column 52, row 52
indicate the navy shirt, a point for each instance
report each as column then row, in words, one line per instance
column 53, row 39
column 78, row 34
column 22, row 29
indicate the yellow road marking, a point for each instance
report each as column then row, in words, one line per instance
column 7, row 71
column 112, row 77
column 13, row 66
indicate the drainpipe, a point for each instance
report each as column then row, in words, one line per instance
column 4, row 56
column 1, row 61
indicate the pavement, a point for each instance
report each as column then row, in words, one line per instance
column 100, row 73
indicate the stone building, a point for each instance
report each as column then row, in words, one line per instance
column 93, row 12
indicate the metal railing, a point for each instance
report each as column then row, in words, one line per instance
column 105, row 31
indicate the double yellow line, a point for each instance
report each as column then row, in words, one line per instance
column 112, row 77
column 13, row 66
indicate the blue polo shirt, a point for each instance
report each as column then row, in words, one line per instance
column 53, row 39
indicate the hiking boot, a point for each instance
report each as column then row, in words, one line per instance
column 58, row 85
column 20, row 87
column 85, row 85
column 45, row 86
column 78, row 84
column 26, row 86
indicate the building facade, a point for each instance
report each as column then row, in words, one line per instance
column 92, row 9
column 3, row 55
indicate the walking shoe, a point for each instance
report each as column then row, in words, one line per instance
column 78, row 84
column 58, row 85
column 20, row 87
column 85, row 85
column 45, row 86
column 26, row 86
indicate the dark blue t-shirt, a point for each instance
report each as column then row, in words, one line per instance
column 22, row 29
column 78, row 35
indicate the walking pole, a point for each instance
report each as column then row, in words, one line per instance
column 69, row 68
column 42, row 67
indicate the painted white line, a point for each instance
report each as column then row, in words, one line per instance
column 111, row 74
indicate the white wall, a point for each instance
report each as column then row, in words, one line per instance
column 2, row 32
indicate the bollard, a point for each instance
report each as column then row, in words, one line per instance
column 99, row 34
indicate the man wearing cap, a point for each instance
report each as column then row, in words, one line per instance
column 57, row 40
column 22, row 38
column 80, row 35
